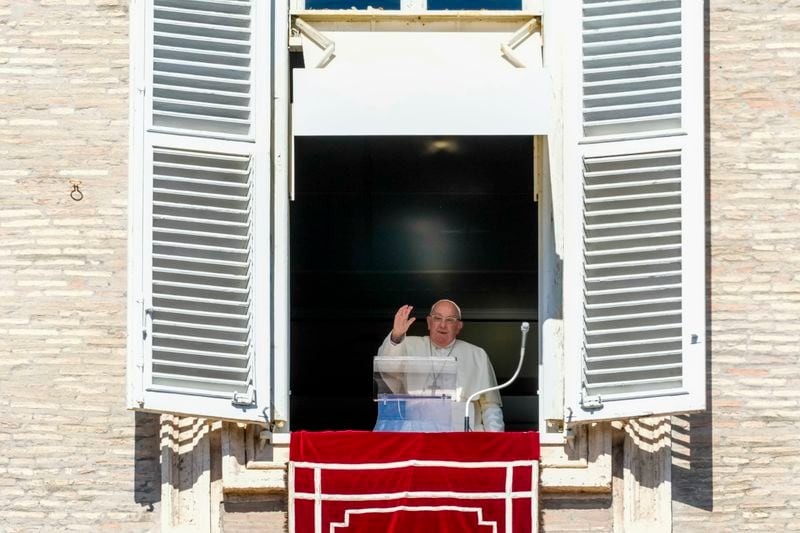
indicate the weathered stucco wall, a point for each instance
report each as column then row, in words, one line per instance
column 72, row 457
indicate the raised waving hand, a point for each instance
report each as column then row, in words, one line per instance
column 402, row 323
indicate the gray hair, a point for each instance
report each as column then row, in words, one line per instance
column 458, row 309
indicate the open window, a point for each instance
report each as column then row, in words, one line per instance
column 209, row 274
column 379, row 222
column 413, row 180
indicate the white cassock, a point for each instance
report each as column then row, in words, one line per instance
column 475, row 373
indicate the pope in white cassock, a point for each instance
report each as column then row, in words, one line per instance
column 475, row 371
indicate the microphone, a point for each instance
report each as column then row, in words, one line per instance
column 524, row 328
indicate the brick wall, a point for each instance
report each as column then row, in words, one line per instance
column 741, row 471
column 71, row 456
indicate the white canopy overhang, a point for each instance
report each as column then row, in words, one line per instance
column 421, row 101
column 457, row 78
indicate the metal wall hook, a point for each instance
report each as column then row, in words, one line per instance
column 76, row 193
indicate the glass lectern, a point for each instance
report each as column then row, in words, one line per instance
column 417, row 394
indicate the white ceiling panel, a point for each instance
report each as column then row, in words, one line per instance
column 387, row 100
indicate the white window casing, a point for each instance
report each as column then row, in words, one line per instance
column 634, row 224
column 282, row 173
column 199, row 259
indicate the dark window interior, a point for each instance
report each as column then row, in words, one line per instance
column 441, row 5
column 379, row 222
column 349, row 4
column 433, row 5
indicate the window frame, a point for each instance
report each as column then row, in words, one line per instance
column 408, row 7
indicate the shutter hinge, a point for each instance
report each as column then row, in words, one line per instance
column 138, row 385
column 148, row 313
column 244, row 399
column 264, row 438
column 295, row 40
column 591, row 402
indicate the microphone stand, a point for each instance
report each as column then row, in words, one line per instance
column 525, row 327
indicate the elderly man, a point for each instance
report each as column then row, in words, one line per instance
column 475, row 371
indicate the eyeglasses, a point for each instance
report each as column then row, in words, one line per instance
column 449, row 320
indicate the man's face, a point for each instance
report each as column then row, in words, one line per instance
column 443, row 324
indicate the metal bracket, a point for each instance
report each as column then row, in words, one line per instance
column 146, row 312
column 264, row 438
column 569, row 434
column 506, row 49
column 244, row 399
column 591, row 402
column 327, row 45
column 295, row 41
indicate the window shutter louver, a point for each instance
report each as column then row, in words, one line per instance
column 631, row 66
column 203, row 270
column 202, row 67
column 632, row 263
column 634, row 268
column 201, row 309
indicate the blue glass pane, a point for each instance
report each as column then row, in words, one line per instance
column 347, row 4
column 434, row 5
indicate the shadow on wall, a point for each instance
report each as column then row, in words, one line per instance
column 692, row 467
column 188, row 452
column 147, row 466
column 191, row 457
column 692, row 435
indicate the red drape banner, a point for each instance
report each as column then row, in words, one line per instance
column 354, row 481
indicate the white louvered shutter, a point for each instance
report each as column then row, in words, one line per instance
column 634, row 301
column 200, row 171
